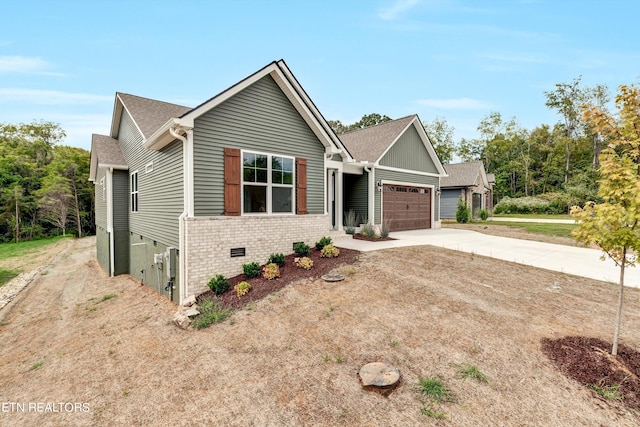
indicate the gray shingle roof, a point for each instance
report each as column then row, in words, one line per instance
column 461, row 174
column 370, row 143
column 150, row 114
column 491, row 178
column 107, row 151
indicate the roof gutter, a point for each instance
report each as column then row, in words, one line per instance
column 164, row 136
column 370, row 193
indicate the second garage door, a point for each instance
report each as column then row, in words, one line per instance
column 406, row 208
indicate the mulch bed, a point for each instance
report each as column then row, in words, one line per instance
column 588, row 361
column 371, row 239
column 290, row 273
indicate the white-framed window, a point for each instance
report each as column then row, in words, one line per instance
column 134, row 191
column 267, row 183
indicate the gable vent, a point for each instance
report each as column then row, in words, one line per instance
column 235, row 252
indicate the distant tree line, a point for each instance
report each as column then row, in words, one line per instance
column 44, row 187
column 558, row 161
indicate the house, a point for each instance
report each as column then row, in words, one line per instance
column 402, row 175
column 469, row 182
column 183, row 194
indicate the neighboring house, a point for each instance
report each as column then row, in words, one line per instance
column 469, row 182
column 183, row 194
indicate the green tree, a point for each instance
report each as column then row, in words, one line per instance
column 441, row 136
column 54, row 199
column 366, row 121
column 613, row 224
column 569, row 99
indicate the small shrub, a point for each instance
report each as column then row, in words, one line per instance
column 271, row 271
column 329, row 251
column 302, row 249
column 251, row 270
column 305, row 262
column 211, row 311
column 463, row 214
column 242, row 288
column 219, row 284
column 276, row 259
column 385, row 228
column 350, row 221
column 368, row 230
column 484, row 214
column 323, row 242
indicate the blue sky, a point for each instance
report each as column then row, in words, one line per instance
column 63, row 61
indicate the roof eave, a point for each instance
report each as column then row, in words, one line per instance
column 162, row 137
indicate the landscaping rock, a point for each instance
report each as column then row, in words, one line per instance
column 191, row 312
column 380, row 377
column 181, row 320
column 189, row 301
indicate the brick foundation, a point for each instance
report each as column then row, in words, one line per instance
column 209, row 240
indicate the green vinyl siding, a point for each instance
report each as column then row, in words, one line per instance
column 409, row 153
column 101, row 204
column 408, row 178
column 160, row 199
column 120, row 182
column 102, row 248
column 260, row 118
column 356, row 195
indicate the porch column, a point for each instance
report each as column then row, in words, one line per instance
column 339, row 189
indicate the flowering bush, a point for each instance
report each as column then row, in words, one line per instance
column 304, row 262
column 329, row 251
column 242, row 288
column 271, row 271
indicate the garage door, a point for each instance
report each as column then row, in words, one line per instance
column 406, row 208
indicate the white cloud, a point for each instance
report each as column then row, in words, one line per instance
column 49, row 97
column 22, row 64
column 396, row 9
column 455, row 104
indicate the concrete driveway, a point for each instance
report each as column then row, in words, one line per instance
column 566, row 259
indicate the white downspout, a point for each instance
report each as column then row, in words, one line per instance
column 187, row 180
column 112, row 251
column 371, row 203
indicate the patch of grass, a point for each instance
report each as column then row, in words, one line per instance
column 433, row 389
column 607, row 391
column 10, row 250
column 7, row 275
column 4, row 323
column 425, row 410
column 558, row 230
column 108, row 297
column 533, row 216
column 211, row 311
column 36, row 365
column 469, row 371
column 394, row 343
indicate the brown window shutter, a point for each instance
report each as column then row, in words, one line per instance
column 301, row 186
column 231, row 182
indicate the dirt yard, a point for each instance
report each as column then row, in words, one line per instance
column 291, row 359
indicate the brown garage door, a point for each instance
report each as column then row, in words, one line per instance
column 406, row 208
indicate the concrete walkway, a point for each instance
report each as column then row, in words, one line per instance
column 566, row 259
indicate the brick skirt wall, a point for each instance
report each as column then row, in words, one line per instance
column 209, row 240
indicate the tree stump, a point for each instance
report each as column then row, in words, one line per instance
column 379, row 377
